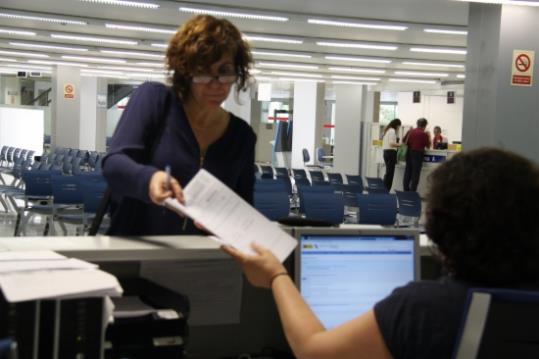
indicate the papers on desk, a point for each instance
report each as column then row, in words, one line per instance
column 232, row 220
column 28, row 275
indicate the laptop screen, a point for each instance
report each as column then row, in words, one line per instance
column 342, row 275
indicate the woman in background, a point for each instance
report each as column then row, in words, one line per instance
column 390, row 145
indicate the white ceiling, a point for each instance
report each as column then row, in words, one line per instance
column 415, row 14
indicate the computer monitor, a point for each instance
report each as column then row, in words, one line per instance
column 341, row 273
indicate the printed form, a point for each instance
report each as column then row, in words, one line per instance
column 232, row 220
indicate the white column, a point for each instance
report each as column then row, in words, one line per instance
column 308, row 117
column 239, row 103
column 65, row 107
column 93, row 114
column 11, row 90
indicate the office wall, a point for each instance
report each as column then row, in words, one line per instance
column 436, row 110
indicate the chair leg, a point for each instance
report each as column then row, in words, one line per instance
column 17, row 224
column 63, row 227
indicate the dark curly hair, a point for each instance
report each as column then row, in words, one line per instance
column 199, row 43
column 482, row 213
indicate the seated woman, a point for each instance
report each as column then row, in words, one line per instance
column 481, row 215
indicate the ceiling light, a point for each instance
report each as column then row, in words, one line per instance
column 59, row 63
column 29, row 67
column 294, row 74
column 280, row 54
column 413, row 81
column 152, row 64
column 105, row 72
column 91, row 74
column 356, row 24
column 357, row 45
column 53, row 47
column 17, row 32
column 140, row 28
column 356, row 69
column 146, row 75
column 353, row 83
column 133, row 53
column 504, row 2
column 6, row 59
column 433, row 64
column 145, row 5
column 159, row 45
column 119, row 68
column 94, row 59
column 415, row 73
column 448, row 32
column 55, row 20
column 285, row 65
column 22, row 54
column 272, row 39
column 8, row 71
column 94, row 39
column 242, row 15
column 461, row 76
column 358, row 59
column 298, row 79
column 339, row 77
column 437, row 50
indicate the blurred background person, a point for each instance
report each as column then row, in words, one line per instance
column 417, row 140
column 390, row 144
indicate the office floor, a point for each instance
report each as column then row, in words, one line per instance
column 35, row 226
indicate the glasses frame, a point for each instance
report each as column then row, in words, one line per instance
column 227, row 79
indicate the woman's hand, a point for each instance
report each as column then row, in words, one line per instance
column 160, row 189
column 261, row 268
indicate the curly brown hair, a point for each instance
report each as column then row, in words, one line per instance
column 202, row 41
column 482, row 212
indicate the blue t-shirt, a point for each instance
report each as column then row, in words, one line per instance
column 154, row 122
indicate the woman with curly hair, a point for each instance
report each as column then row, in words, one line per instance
column 481, row 215
column 167, row 133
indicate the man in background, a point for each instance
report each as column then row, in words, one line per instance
column 417, row 140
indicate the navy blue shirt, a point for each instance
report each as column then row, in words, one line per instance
column 154, row 132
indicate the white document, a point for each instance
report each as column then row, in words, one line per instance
column 35, row 265
column 30, row 256
column 233, row 221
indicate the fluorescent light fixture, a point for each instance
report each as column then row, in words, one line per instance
column 140, row 28
column 295, row 74
column 152, row 64
column 356, row 69
column 416, row 73
column 133, row 53
column 280, row 54
column 438, row 50
column 357, row 45
column 56, row 20
column 263, row 78
column 8, row 71
column 139, row 4
column 94, row 39
column 228, row 13
column 447, row 32
column 7, row 59
column 298, row 79
column 105, row 72
column 89, row 74
column 353, row 83
column 159, row 45
column 504, row 2
column 22, row 54
column 340, row 77
column 356, row 24
column 120, row 68
column 147, row 76
column 59, row 63
column 432, row 64
column 29, row 67
column 94, row 59
column 461, row 76
column 287, row 65
column 358, row 59
column 413, row 81
column 263, row 38
column 17, row 32
column 52, row 47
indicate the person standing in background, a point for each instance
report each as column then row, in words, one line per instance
column 439, row 142
column 417, row 140
column 389, row 145
column 168, row 133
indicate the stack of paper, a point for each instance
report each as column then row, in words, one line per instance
column 32, row 275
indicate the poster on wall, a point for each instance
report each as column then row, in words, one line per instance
column 416, row 97
column 69, row 91
column 450, row 97
column 522, row 68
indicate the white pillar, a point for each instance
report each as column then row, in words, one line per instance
column 93, row 114
column 65, row 107
column 11, row 90
column 308, row 117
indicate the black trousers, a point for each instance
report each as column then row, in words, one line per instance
column 414, row 162
column 390, row 159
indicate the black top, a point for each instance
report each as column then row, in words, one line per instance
column 154, row 122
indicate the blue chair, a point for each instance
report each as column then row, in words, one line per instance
column 299, row 174
column 376, row 185
column 322, row 206
column 271, row 185
column 354, row 179
column 317, row 177
column 273, row 205
column 335, row 178
column 322, row 158
column 349, row 193
column 302, row 189
column 282, row 172
column 267, row 172
column 409, row 205
column 499, row 323
column 7, row 348
column 377, row 208
column 66, row 201
column 93, row 189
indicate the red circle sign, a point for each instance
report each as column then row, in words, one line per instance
column 522, row 62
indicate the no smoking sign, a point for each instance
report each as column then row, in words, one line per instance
column 522, row 68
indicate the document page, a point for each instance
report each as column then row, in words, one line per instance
column 232, row 220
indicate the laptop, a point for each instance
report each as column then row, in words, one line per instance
column 341, row 273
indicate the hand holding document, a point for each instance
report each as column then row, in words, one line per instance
column 232, row 220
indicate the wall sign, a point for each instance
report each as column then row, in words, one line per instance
column 69, row 91
column 450, row 96
column 522, row 68
column 416, row 97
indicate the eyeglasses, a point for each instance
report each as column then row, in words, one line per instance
column 206, row 79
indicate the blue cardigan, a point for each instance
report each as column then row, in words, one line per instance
column 154, row 122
